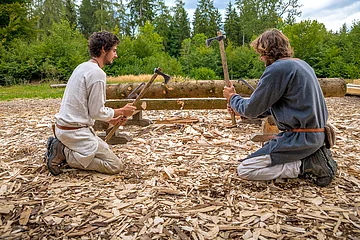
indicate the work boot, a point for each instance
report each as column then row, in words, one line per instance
column 54, row 156
column 319, row 166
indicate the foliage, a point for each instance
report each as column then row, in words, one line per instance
column 243, row 62
column 13, row 21
column 45, row 39
column 194, row 54
column 179, row 29
column 203, row 73
column 53, row 58
column 142, row 54
column 207, row 18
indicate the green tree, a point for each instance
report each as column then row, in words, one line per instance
column 86, row 18
column 231, row 27
column 162, row 22
column 195, row 54
column 14, row 21
column 122, row 18
column 71, row 13
column 308, row 39
column 179, row 28
column 140, row 12
column 258, row 15
column 52, row 58
column 142, row 54
column 243, row 62
column 207, row 19
column 50, row 12
column 104, row 15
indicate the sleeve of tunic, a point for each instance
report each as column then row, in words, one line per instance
column 96, row 102
column 271, row 87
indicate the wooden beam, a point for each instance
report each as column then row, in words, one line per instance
column 353, row 89
column 172, row 103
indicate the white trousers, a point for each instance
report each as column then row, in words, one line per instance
column 258, row 168
column 85, row 150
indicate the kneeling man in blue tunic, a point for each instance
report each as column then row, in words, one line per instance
column 289, row 91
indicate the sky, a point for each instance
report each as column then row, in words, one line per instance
column 332, row 13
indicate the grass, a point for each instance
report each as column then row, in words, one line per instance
column 40, row 91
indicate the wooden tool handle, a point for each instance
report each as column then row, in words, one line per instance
column 226, row 72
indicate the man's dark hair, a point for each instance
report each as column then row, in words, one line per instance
column 105, row 39
column 273, row 44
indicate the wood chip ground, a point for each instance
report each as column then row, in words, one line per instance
column 180, row 182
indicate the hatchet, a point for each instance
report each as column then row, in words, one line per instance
column 157, row 71
column 220, row 39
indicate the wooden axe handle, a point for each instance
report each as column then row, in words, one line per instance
column 223, row 61
column 226, row 72
column 141, row 94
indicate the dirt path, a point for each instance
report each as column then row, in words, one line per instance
column 180, row 182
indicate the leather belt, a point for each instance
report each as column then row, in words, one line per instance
column 68, row 128
column 307, row 130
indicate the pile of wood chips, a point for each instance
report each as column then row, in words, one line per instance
column 180, row 182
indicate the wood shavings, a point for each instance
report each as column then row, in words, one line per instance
column 179, row 182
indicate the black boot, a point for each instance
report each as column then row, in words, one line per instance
column 319, row 166
column 54, row 157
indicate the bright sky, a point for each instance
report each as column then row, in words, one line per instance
column 332, row 13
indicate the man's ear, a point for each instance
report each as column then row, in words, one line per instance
column 103, row 50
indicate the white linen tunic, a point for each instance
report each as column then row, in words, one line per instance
column 83, row 103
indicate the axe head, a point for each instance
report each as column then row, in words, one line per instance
column 165, row 76
column 218, row 38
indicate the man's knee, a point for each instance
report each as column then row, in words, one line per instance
column 244, row 172
column 116, row 167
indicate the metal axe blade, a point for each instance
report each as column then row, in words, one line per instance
column 165, row 76
column 218, row 38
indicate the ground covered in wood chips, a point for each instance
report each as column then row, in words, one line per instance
column 180, row 182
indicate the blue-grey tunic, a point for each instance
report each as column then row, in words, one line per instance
column 288, row 90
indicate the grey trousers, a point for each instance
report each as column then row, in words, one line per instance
column 85, row 150
column 258, row 168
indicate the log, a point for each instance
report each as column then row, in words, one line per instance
column 331, row 87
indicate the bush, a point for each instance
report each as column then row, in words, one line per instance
column 203, row 73
column 53, row 57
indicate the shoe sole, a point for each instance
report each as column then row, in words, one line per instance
column 48, row 145
column 48, row 153
column 331, row 165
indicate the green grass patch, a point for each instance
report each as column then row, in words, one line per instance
column 40, row 91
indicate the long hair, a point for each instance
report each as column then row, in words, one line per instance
column 97, row 40
column 274, row 45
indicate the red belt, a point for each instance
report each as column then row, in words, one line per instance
column 67, row 128
column 307, row 130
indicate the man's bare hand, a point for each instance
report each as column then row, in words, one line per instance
column 228, row 92
column 127, row 110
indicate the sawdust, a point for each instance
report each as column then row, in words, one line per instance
column 180, row 182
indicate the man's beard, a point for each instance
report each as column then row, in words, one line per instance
column 107, row 62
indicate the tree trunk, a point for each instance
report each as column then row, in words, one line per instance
column 331, row 87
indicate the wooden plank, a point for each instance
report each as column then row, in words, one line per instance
column 172, row 103
column 61, row 85
column 353, row 89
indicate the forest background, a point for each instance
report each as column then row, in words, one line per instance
column 44, row 40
